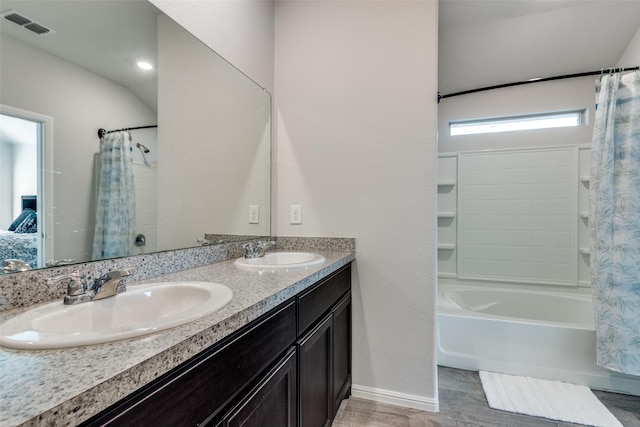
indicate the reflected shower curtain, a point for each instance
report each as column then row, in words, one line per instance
column 115, row 211
column 614, row 223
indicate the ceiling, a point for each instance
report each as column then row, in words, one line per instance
column 484, row 43
column 104, row 36
column 481, row 42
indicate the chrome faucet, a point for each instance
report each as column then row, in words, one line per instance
column 107, row 285
column 257, row 249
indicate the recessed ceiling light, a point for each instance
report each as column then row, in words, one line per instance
column 145, row 65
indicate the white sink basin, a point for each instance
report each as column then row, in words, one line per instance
column 281, row 261
column 141, row 310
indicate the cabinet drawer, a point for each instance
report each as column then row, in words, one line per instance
column 317, row 300
column 204, row 385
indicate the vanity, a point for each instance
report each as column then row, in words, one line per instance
column 280, row 350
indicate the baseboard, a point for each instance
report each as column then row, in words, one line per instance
column 394, row 398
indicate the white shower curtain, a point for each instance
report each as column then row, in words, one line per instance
column 115, row 211
column 614, row 223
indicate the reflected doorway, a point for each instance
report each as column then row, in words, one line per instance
column 24, row 145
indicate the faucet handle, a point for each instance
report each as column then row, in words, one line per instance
column 57, row 262
column 117, row 274
column 110, row 283
column 75, row 285
column 204, row 242
column 14, row 265
column 267, row 244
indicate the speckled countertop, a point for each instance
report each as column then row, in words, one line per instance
column 67, row 386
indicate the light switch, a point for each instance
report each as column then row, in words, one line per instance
column 254, row 214
column 296, row 214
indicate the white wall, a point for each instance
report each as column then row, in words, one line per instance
column 18, row 168
column 240, row 31
column 356, row 87
column 80, row 103
column 25, row 172
column 631, row 55
column 6, row 184
column 355, row 112
column 223, row 116
column 559, row 95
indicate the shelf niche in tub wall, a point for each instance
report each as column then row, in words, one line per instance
column 447, row 213
column 584, row 173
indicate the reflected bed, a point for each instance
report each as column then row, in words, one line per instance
column 23, row 246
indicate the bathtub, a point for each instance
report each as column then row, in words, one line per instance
column 530, row 332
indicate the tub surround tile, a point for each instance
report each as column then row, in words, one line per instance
column 64, row 387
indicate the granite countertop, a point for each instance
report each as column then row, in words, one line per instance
column 68, row 386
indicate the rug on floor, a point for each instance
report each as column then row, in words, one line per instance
column 544, row 398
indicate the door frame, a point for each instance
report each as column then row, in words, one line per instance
column 45, row 178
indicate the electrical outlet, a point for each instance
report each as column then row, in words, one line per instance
column 254, row 214
column 296, row 214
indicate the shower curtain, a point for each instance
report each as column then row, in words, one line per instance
column 614, row 222
column 115, row 211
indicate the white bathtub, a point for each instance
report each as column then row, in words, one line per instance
column 534, row 333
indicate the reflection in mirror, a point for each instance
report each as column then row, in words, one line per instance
column 195, row 175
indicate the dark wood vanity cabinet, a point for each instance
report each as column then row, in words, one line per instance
column 324, row 350
column 291, row 367
column 197, row 391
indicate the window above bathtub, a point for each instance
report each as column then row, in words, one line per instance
column 548, row 120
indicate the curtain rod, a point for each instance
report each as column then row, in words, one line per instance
column 544, row 79
column 102, row 132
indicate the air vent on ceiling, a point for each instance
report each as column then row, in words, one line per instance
column 26, row 23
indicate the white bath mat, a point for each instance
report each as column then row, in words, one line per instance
column 548, row 399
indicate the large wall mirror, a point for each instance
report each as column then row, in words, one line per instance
column 200, row 162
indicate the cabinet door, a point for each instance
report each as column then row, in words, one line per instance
column 272, row 402
column 341, row 351
column 314, row 373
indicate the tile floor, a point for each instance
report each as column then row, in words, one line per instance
column 463, row 404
